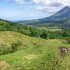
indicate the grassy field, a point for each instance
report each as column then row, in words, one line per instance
column 33, row 54
column 51, row 29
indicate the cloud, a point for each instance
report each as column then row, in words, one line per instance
column 47, row 9
column 44, row 2
column 47, row 5
column 56, row 4
column 20, row 1
column 51, row 5
column 52, row 2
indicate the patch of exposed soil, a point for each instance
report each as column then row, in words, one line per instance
column 3, row 65
column 64, row 50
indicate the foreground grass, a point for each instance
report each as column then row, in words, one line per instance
column 33, row 54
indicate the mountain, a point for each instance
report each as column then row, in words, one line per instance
column 60, row 18
column 21, row 52
column 62, row 14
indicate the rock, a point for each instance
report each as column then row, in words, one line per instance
column 63, row 50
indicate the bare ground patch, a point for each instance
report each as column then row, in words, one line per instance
column 30, row 57
column 3, row 65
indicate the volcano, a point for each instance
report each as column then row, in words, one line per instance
column 61, row 17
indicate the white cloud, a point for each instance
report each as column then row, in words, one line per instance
column 45, row 2
column 52, row 2
column 51, row 5
column 47, row 8
column 20, row 1
column 48, row 5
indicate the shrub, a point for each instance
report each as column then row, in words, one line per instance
column 68, row 39
column 4, row 49
column 15, row 46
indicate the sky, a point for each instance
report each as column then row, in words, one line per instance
column 15, row 10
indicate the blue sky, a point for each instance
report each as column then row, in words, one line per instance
column 29, row 9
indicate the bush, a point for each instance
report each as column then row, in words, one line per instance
column 15, row 46
column 68, row 40
column 4, row 49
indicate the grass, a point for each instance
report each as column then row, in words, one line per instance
column 51, row 29
column 33, row 54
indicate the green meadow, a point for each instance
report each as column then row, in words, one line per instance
column 51, row 29
column 32, row 53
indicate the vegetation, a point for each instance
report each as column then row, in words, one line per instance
column 51, row 29
column 61, row 20
column 32, row 53
column 68, row 39
column 22, row 48
column 33, row 31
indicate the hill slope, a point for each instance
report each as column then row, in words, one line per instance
column 10, row 26
column 34, row 53
column 61, row 18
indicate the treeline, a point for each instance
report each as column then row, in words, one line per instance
column 32, row 31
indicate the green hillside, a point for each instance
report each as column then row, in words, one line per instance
column 46, row 33
column 32, row 53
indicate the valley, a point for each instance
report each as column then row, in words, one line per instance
column 33, row 48
column 36, row 44
column 61, row 19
